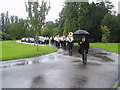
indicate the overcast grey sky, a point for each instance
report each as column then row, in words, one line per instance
column 17, row 7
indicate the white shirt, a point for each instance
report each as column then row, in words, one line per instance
column 55, row 38
column 83, row 39
column 70, row 39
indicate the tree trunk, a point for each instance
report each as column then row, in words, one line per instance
column 37, row 40
column 15, row 40
column 37, row 45
column 34, row 41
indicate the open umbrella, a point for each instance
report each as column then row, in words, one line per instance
column 81, row 32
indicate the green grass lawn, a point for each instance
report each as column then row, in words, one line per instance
column 119, row 84
column 108, row 46
column 12, row 50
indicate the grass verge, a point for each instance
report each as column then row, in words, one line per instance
column 12, row 50
column 107, row 46
column 118, row 84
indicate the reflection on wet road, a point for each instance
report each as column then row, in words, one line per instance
column 59, row 70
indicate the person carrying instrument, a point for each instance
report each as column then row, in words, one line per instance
column 70, row 43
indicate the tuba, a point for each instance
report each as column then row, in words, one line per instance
column 70, row 33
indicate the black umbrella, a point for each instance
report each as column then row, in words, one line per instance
column 81, row 32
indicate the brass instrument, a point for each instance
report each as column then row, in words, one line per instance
column 70, row 33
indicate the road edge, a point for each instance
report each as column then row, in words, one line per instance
column 115, row 85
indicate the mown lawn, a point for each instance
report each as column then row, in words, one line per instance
column 107, row 46
column 12, row 50
column 119, row 84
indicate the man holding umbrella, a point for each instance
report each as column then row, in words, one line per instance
column 84, row 44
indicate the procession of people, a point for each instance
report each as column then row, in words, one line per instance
column 67, row 43
column 63, row 41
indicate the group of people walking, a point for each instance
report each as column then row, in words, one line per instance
column 46, row 40
column 63, row 42
column 66, row 42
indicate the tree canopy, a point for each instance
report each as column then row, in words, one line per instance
column 74, row 16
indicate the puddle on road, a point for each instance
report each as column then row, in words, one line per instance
column 37, row 82
column 83, row 66
column 96, row 53
column 27, row 61
column 74, row 82
column 19, row 63
column 100, row 55
column 103, row 53
column 79, row 82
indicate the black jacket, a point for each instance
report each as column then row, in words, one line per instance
column 83, row 46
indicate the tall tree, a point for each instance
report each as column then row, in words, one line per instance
column 61, row 21
column 36, row 16
column 50, row 29
column 105, row 33
column 106, row 4
column 7, row 22
column 119, row 27
column 12, row 19
column 70, row 17
column 82, row 15
column 111, row 22
column 13, row 31
column 22, row 26
column 91, row 20
column 3, row 22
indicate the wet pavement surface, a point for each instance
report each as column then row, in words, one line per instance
column 59, row 70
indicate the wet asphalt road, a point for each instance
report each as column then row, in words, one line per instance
column 59, row 70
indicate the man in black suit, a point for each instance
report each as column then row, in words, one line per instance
column 84, row 46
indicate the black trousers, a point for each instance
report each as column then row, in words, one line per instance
column 70, row 46
column 58, row 44
column 84, row 56
column 64, row 44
